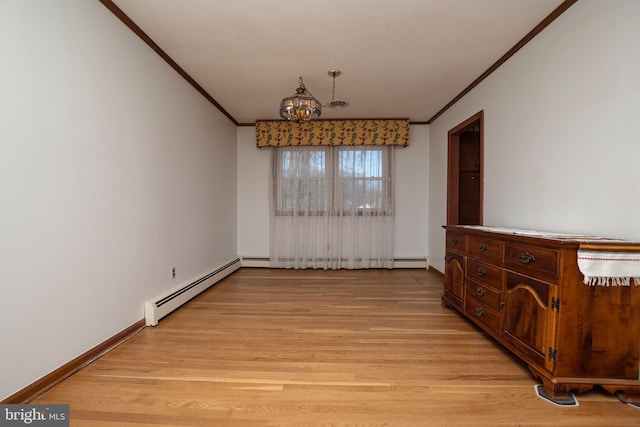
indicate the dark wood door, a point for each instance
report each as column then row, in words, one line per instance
column 465, row 174
column 469, row 178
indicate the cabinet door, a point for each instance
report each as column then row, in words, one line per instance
column 454, row 279
column 529, row 320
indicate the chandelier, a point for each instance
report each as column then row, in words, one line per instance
column 301, row 106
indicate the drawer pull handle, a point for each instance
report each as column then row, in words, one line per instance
column 481, row 271
column 480, row 312
column 483, row 247
column 480, row 291
column 454, row 241
column 527, row 257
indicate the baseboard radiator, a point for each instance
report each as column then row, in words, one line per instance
column 157, row 308
column 397, row 262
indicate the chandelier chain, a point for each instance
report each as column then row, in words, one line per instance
column 333, row 88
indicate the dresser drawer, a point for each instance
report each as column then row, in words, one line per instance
column 532, row 259
column 484, row 273
column 485, row 248
column 486, row 294
column 482, row 313
column 456, row 241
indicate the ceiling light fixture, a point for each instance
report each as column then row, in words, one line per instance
column 301, row 106
column 335, row 103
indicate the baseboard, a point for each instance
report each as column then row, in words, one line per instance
column 410, row 263
column 53, row 378
column 164, row 304
column 263, row 262
column 254, row 261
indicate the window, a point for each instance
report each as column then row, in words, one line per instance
column 332, row 180
column 331, row 207
column 302, row 175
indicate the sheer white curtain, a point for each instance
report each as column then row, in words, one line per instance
column 332, row 207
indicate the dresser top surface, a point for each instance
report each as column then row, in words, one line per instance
column 562, row 237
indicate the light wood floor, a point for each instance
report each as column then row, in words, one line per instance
column 319, row 348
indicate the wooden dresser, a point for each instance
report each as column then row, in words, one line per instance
column 525, row 289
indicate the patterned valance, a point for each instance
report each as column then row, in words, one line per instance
column 332, row 132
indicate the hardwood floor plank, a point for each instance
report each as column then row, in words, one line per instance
column 319, row 348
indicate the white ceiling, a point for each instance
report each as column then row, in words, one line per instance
column 399, row 58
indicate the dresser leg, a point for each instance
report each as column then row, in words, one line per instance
column 629, row 398
column 556, row 393
column 445, row 304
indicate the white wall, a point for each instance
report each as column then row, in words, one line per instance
column 253, row 190
column 411, row 195
column 562, row 130
column 112, row 170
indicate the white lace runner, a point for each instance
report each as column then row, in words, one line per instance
column 609, row 268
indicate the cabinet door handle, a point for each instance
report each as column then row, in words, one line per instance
column 480, row 291
column 526, row 258
column 483, row 247
column 480, row 312
column 454, row 241
column 481, row 271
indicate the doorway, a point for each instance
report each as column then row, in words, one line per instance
column 465, row 172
